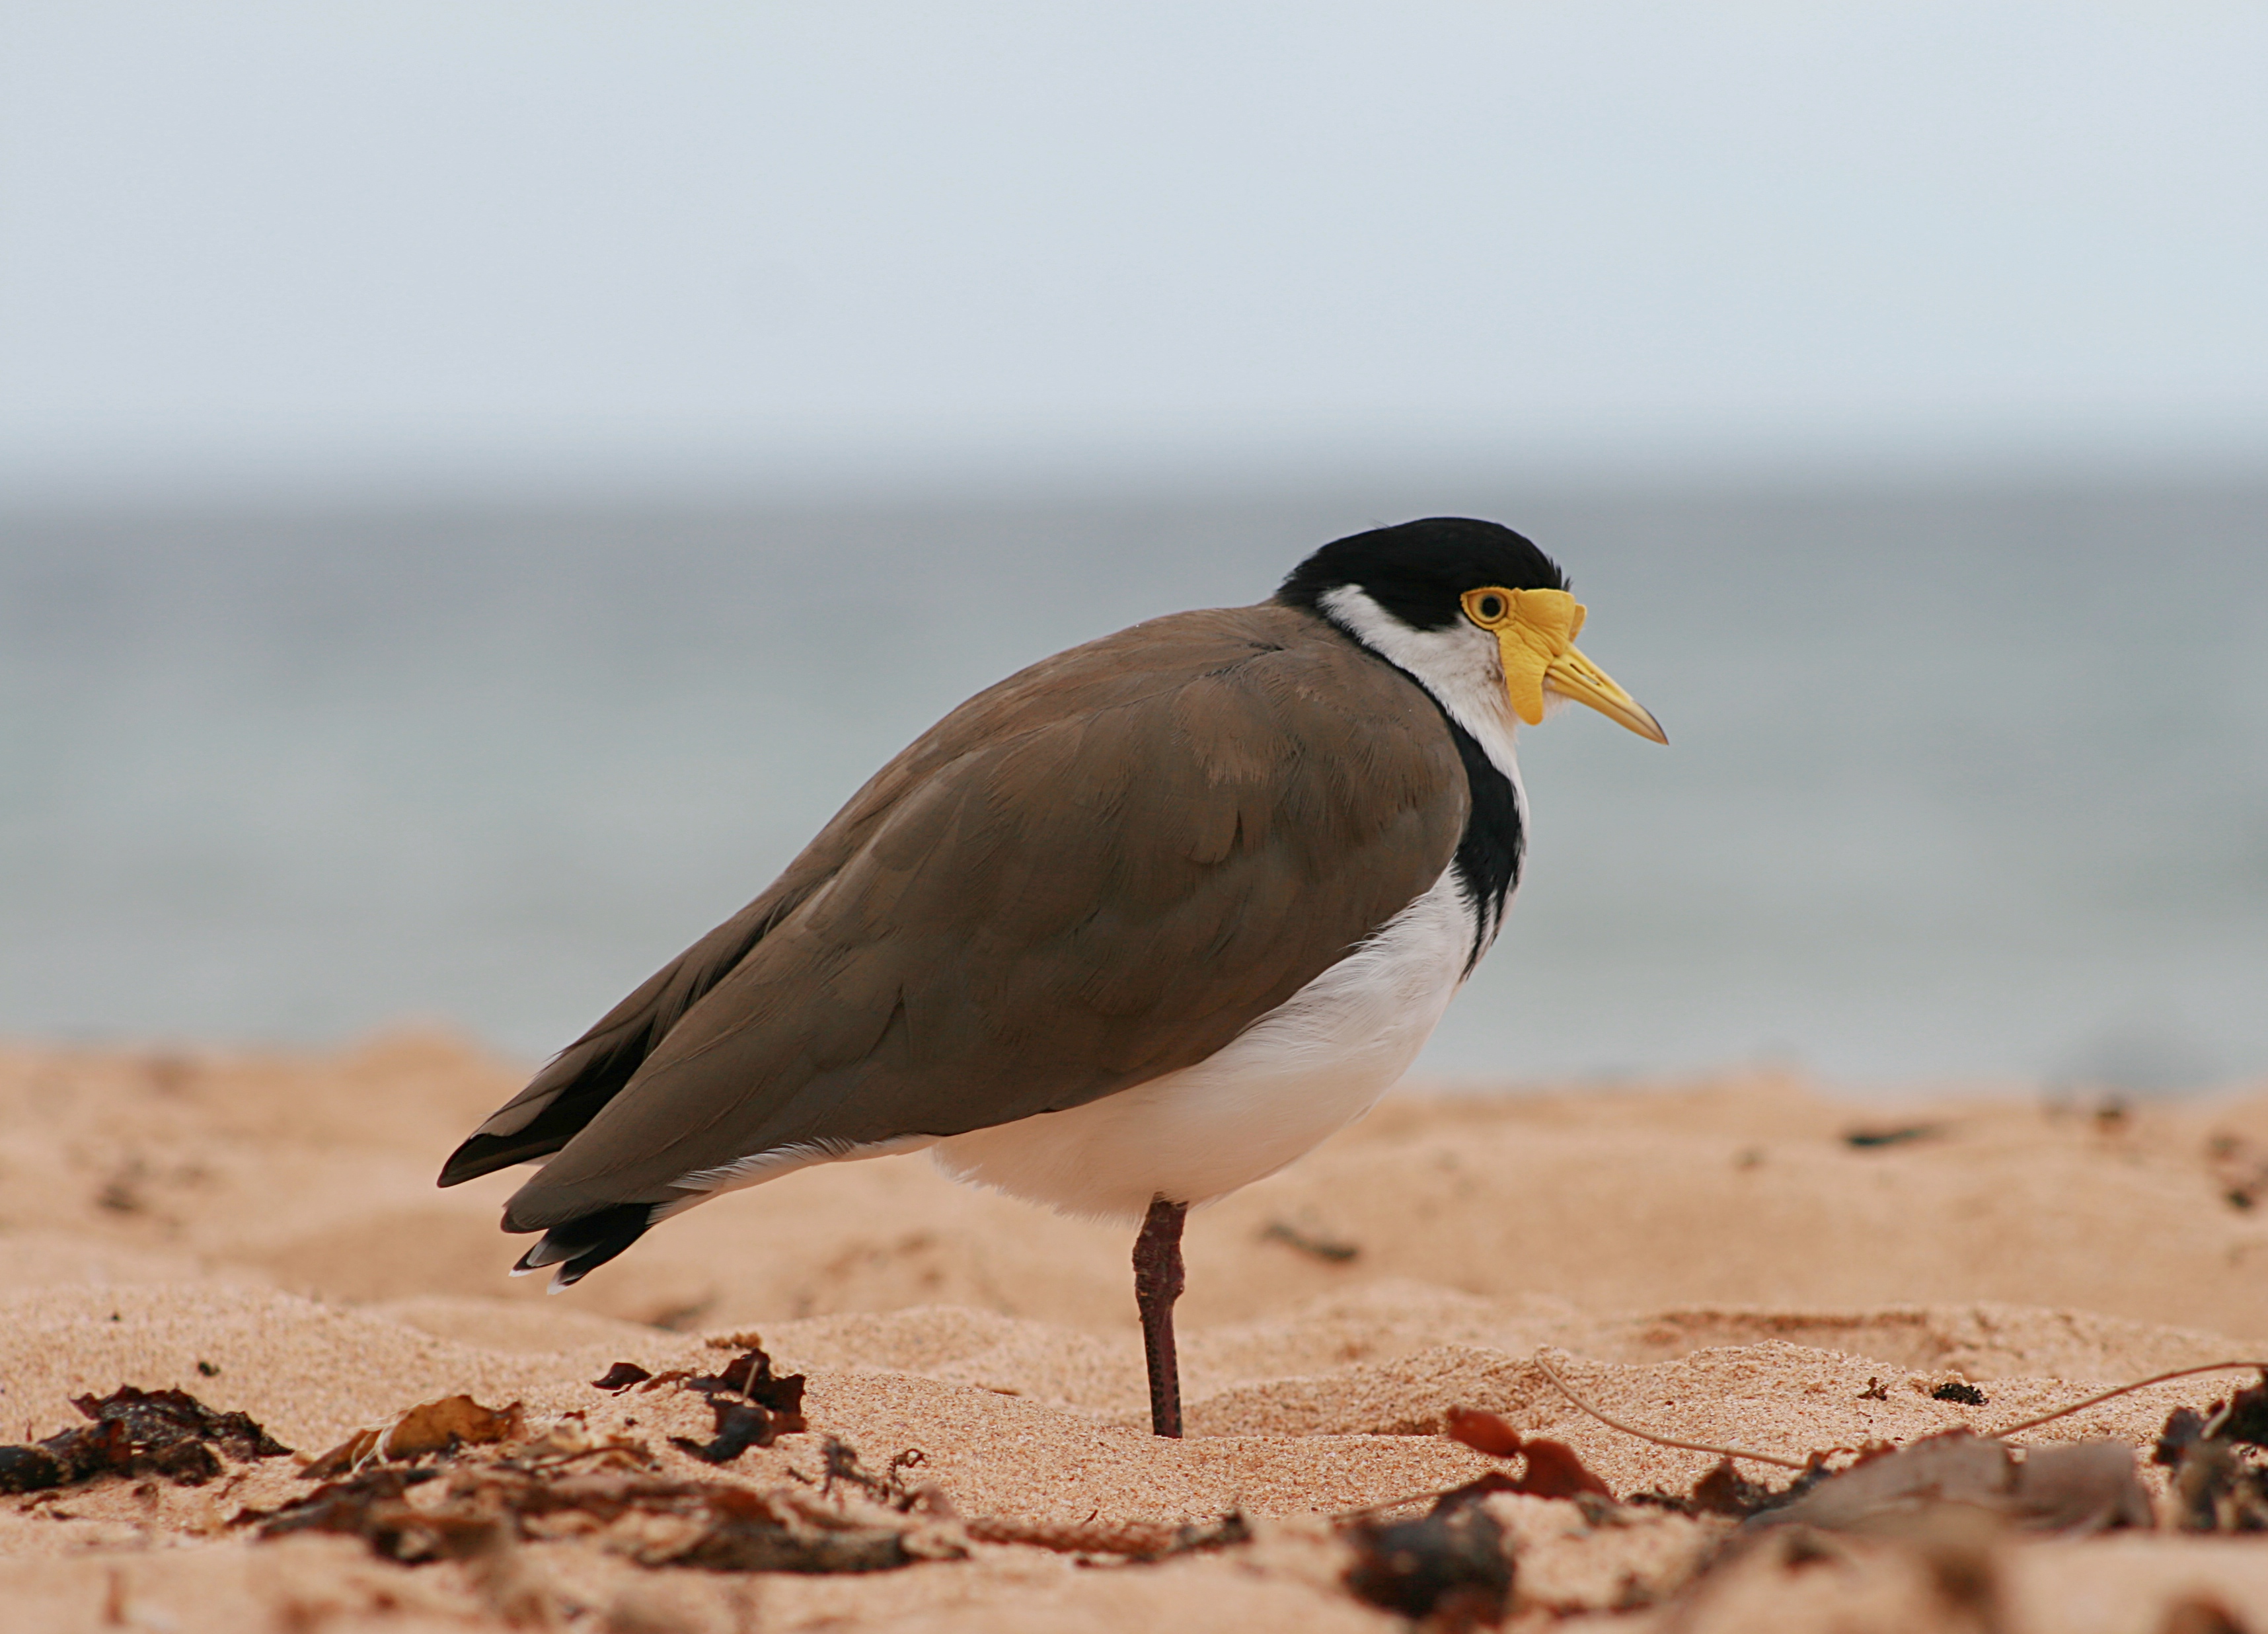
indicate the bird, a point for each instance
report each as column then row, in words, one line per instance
column 1134, row 928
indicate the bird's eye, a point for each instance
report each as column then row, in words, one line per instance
column 1488, row 606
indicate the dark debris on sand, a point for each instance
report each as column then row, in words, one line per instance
column 2219, row 1484
column 2083, row 1487
column 1450, row 1570
column 721, row 1528
column 753, row 1405
column 493, row 1485
column 166, row 1433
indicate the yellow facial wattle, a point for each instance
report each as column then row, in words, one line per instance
column 1535, row 632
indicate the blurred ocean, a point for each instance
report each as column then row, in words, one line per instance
column 1964, row 783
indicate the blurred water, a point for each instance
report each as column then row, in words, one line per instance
column 1961, row 782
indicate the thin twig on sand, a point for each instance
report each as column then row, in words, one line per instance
column 1568, row 1391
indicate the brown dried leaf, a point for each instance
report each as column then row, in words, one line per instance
column 167, row 1433
column 739, row 1426
column 1483, row 1432
column 1724, row 1490
column 621, row 1377
column 441, row 1426
column 754, row 1406
column 1553, row 1469
column 750, row 1373
column 372, row 1505
column 659, row 1523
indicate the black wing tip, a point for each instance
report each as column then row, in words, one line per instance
column 488, row 1153
column 580, row 1247
column 485, row 1154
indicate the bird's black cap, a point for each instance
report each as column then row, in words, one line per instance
column 1417, row 571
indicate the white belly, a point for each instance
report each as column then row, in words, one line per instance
column 1294, row 1077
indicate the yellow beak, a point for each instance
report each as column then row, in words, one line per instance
column 1535, row 632
column 1571, row 674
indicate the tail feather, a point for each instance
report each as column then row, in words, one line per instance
column 581, row 1245
column 589, row 1073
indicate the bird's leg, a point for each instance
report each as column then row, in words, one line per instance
column 1157, row 1284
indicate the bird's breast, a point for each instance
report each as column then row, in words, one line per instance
column 1285, row 1084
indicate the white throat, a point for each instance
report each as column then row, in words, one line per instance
column 1460, row 666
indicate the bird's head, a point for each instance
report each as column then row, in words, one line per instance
column 1460, row 604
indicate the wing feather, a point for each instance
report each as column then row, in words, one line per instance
column 1100, row 871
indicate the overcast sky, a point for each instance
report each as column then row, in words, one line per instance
column 276, row 245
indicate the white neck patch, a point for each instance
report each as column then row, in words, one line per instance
column 1460, row 666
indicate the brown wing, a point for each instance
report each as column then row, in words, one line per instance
column 1099, row 871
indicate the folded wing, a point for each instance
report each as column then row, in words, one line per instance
column 1097, row 872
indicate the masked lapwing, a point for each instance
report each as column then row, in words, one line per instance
column 1131, row 929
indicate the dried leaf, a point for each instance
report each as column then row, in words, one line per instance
column 2185, row 1428
column 754, row 1406
column 1553, row 1469
column 739, row 1426
column 167, row 1433
column 369, row 1506
column 1483, row 1432
column 1724, row 1490
column 708, row 1524
column 2248, row 1415
column 441, row 1426
column 621, row 1377
column 750, row 1373
column 2213, row 1489
column 32, row 1468
column 2088, row 1486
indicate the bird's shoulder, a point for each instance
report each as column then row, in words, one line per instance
column 1156, row 768
column 1205, row 691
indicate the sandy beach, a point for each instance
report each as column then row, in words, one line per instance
column 1742, row 1262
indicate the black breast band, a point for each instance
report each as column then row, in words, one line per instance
column 1488, row 852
